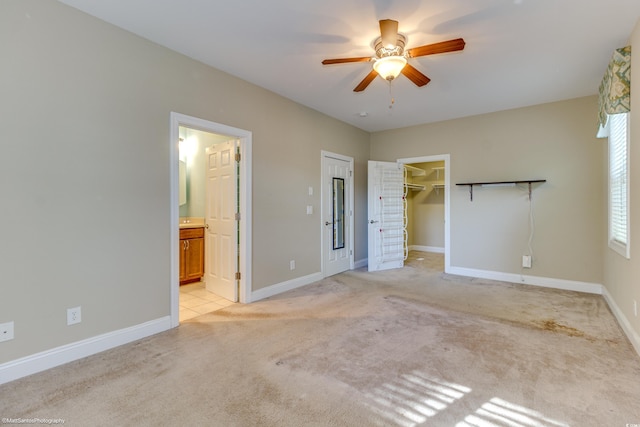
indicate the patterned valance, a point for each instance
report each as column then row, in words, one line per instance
column 615, row 89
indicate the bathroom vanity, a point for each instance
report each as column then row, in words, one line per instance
column 191, row 254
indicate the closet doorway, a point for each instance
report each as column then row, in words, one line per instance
column 428, row 223
column 392, row 209
column 425, row 193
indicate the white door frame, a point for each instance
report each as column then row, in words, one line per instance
column 447, row 187
column 245, row 137
column 351, row 215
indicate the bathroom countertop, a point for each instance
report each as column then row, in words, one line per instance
column 191, row 222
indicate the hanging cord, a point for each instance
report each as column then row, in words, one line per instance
column 531, row 225
column 392, row 101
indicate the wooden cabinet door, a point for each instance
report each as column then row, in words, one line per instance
column 191, row 254
column 194, row 259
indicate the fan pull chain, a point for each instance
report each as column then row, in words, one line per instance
column 392, row 101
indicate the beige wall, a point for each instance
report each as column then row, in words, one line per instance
column 622, row 276
column 555, row 142
column 85, row 173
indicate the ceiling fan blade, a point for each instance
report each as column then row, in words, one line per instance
column 431, row 49
column 415, row 76
column 346, row 60
column 365, row 82
column 389, row 33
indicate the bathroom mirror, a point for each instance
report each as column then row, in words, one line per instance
column 182, row 182
column 338, row 213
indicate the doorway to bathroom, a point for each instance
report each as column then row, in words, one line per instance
column 212, row 193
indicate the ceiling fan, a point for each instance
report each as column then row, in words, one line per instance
column 391, row 58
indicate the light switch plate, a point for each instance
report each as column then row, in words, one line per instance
column 309, row 210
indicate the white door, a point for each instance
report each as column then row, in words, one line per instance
column 337, row 213
column 386, row 215
column 221, row 239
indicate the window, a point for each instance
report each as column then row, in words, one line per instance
column 618, row 127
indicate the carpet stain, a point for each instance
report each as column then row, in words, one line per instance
column 552, row 326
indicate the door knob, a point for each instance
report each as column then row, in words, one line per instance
column 372, row 221
column 328, row 223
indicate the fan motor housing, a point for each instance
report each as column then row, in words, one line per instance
column 382, row 51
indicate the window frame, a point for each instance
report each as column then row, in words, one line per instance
column 621, row 247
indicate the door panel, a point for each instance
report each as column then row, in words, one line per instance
column 336, row 217
column 386, row 215
column 221, row 252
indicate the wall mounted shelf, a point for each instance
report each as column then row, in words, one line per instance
column 500, row 184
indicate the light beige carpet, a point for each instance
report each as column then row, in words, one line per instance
column 408, row 347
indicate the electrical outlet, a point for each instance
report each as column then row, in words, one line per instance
column 292, row 265
column 6, row 331
column 74, row 315
column 526, row 261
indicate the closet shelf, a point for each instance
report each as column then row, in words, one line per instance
column 437, row 186
column 500, row 184
column 415, row 171
column 414, row 187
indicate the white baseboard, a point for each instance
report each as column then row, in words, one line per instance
column 361, row 263
column 38, row 362
column 622, row 320
column 281, row 287
column 434, row 249
column 547, row 282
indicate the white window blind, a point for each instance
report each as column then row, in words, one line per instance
column 618, row 183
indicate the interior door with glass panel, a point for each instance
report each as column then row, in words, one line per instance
column 221, row 239
column 336, row 215
column 386, row 231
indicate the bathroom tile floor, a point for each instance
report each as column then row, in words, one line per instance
column 196, row 300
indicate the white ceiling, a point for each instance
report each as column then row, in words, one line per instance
column 518, row 52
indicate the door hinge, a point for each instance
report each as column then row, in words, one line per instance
column 237, row 157
column 238, row 275
column 237, row 216
column 350, row 173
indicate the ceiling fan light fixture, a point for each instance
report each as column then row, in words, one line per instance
column 389, row 67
